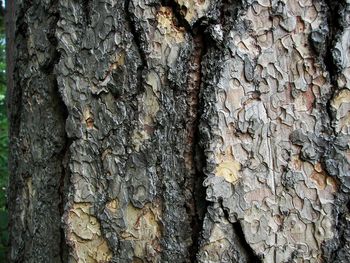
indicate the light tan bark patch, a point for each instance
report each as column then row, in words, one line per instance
column 166, row 25
column 144, row 229
column 84, row 236
column 192, row 10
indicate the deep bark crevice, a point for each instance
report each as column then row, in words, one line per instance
column 238, row 230
column 336, row 249
column 195, row 106
column 62, row 110
column 86, row 6
column 196, row 206
column 62, row 193
column 252, row 257
column 194, row 154
column 335, row 28
column 137, row 37
column 193, row 150
column 64, row 179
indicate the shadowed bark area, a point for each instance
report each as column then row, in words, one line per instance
column 179, row 131
column 37, row 133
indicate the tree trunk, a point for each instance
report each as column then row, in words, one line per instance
column 179, row 130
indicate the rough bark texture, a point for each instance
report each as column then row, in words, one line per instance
column 179, row 130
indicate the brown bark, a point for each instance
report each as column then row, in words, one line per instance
column 179, row 131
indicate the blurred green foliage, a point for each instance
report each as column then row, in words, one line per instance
column 3, row 143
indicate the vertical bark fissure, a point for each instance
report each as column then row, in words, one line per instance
column 138, row 42
column 252, row 257
column 237, row 227
column 62, row 109
column 64, row 179
column 196, row 203
column 193, row 152
column 334, row 27
column 49, row 69
column 86, row 5
column 62, row 190
column 336, row 249
column 203, row 56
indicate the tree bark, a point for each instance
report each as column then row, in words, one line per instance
column 179, row 130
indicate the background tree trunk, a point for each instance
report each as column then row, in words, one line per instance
column 179, row 131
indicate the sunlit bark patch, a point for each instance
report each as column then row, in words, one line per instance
column 84, row 236
column 192, row 10
column 166, row 26
column 143, row 231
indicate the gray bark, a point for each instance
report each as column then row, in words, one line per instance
column 179, row 131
